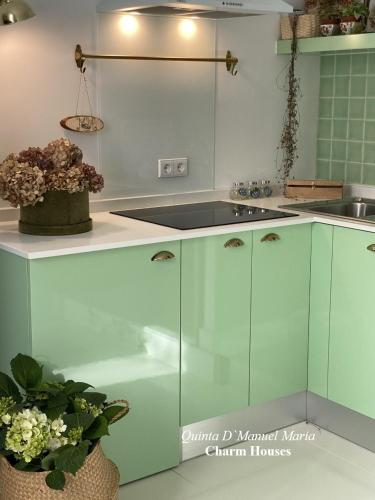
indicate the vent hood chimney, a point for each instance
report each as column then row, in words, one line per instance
column 206, row 9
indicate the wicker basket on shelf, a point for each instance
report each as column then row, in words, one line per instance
column 308, row 26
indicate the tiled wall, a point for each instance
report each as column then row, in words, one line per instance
column 346, row 133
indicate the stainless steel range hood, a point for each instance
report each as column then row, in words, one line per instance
column 206, row 9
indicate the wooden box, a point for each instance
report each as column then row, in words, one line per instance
column 314, row 189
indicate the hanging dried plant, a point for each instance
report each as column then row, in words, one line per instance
column 289, row 142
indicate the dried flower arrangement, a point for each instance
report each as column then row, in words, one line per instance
column 26, row 177
column 51, row 426
column 289, row 140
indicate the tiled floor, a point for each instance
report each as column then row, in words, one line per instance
column 327, row 468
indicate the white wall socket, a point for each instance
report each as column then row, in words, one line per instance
column 173, row 167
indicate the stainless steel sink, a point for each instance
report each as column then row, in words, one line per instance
column 350, row 208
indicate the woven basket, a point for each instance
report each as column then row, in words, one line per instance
column 308, row 26
column 98, row 479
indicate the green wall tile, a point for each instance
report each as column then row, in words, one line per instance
column 324, row 130
column 371, row 86
column 355, row 130
column 322, row 169
column 342, row 86
column 340, row 108
column 370, row 131
column 324, row 149
column 369, row 152
column 355, row 151
column 353, row 173
column 342, row 64
column 359, row 64
column 371, row 63
column 326, row 87
column 327, row 65
column 358, row 86
column 340, row 129
column 325, row 108
column 338, row 171
column 369, row 174
column 339, row 150
column 356, row 108
column 370, row 109
column 346, row 130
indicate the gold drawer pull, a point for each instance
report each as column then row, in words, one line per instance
column 371, row 247
column 163, row 256
column 270, row 237
column 234, row 243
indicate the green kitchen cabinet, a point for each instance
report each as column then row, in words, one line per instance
column 351, row 373
column 279, row 312
column 215, row 325
column 320, row 302
column 112, row 318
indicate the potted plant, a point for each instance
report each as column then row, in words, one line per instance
column 50, row 434
column 353, row 17
column 51, row 186
column 329, row 19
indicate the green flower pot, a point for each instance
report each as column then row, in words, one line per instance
column 60, row 214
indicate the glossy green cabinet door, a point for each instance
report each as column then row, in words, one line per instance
column 351, row 380
column 112, row 319
column 320, row 304
column 280, row 312
column 215, row 307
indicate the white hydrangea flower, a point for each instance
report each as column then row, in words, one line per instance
column 28, row 434
column 6, row 419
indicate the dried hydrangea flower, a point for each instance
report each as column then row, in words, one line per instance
column 95, row 180
column 63, row 153
column 70, row 180
column 35, row 157
column 20, row 183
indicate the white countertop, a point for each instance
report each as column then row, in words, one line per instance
column 111, row 231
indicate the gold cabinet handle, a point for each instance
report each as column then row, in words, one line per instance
column 234, row 243
column 371, row 248
column 270, row 237
column 163, row 256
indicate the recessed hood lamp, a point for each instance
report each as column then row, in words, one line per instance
column 14, row 11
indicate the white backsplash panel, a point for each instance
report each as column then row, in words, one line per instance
column 156, row 109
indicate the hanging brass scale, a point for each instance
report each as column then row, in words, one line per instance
column 81, row 122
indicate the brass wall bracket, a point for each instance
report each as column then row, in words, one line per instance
column 230, row 61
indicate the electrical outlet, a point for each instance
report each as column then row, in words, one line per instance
column 173, row 167
column 165, row 168
column 181, row 167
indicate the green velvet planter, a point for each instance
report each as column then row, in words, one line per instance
column 61, row 213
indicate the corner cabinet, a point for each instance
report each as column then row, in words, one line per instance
column 351, row 371
column 215, row 325
column 280, row 312
column 110, row 318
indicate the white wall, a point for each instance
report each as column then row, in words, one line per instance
column 250, row 107
column 39, row 86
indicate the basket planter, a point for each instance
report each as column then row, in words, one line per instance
column 307, row 26
column 61, row 213
column 329, row 27
column 98, row 479
column 351, row 26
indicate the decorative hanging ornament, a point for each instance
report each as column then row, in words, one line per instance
column 82, row 123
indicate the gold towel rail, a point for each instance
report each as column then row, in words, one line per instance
column 230, row 61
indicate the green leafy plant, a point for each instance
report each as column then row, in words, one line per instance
column 50, row 425
column 356, row 8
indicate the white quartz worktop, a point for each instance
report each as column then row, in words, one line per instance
column 111, row 231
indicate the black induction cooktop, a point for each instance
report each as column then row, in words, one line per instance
column 199, row 215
